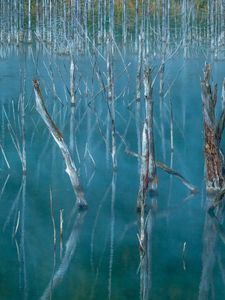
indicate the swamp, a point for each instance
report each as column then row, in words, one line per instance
column 112, row 169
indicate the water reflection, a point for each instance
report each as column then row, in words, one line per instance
column 17, row 216
column 212, row 253
column 70, row 248
column 112, row 233
column 168, row 258
column 145, row 250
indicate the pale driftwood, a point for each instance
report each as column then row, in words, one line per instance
column 70, row 166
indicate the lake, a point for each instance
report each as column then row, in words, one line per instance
column 52, row 249
column 105, row 159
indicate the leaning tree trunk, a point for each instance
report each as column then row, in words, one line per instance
column 71, row 169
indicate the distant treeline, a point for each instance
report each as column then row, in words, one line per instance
column 193, row 21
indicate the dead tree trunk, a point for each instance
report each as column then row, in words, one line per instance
column 70, row 166
column 111, row 100
column 72, row 81
column 124, row 21
column 213, row 159
column 144, row 168
column 148, row 174
column 149, row 119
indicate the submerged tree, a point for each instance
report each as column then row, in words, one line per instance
column 213, row 133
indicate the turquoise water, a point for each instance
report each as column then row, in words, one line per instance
column 98, row 255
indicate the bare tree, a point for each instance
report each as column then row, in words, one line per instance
column 213, row 160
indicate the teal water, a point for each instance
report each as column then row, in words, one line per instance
column 98, row 256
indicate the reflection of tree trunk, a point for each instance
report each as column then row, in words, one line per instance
column 212, row 231
column 70, row 248
column 208, row 258
column 19, row 210
column 145, row 230
column 22, row 241
column 221, row 267
column 112, row 234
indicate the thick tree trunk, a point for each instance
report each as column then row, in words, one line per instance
column 213, row 161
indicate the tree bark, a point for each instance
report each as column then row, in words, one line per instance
column 213, row 160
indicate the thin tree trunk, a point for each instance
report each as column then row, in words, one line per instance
column 72, row 80
column 124, row 21
column 139, row 69
column 149, row 103
column 70, row 166
column 111, row 100
column 136, row 23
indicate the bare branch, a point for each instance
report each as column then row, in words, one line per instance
column 170, row 171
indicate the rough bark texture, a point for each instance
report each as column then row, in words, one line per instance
column 213, row 162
